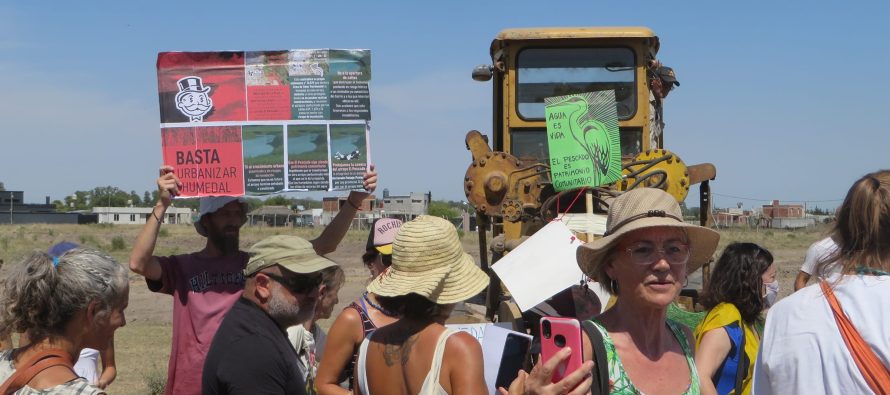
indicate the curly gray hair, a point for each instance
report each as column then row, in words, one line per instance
column 41, row 295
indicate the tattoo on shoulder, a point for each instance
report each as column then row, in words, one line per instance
column 397, row 348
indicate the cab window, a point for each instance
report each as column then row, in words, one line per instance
column 548, row 72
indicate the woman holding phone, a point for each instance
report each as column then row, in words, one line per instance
column 643, row 259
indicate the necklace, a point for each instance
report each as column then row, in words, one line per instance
column 378, row 307
column 863, row 270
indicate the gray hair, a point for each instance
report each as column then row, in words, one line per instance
column 41, row 295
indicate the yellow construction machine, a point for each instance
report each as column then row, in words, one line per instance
column 508, row 181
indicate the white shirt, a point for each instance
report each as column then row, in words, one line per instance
column 802, row 351
column 817, row 251
column 87, row 364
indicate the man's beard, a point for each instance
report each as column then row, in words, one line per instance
column 224, row 243
column 287, row 314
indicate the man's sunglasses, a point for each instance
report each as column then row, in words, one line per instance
column 298, row 283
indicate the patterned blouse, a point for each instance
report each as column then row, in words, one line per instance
column 78, row 386
column 620, row 384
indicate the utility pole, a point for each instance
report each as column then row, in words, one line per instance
column 10, row 207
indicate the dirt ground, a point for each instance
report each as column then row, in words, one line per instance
column 143, row 345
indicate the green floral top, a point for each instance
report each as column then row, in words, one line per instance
column 620, row 384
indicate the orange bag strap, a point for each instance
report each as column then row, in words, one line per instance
column 875, row 373
column 32, row 367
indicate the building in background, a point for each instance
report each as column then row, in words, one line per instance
column 405, row 207
column 785, row 216
column 14, row 210
column 138, row 215
column 272, row 216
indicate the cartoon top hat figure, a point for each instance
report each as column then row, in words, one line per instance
column 192, row 84
column 192, row 99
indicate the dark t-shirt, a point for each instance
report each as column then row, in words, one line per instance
column 251, row 355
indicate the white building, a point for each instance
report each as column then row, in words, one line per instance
column 138, row 215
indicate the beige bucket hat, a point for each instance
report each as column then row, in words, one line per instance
column 290, row 252
column 428, row 260
column 646, row 208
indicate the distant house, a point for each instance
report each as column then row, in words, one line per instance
column 732, row 217
column 369, row 209
column 405, row 207
column 310, row 217
column 14, row 210
column 272, row 216
column 776, row 210
column 138, row 215
column 785, row 216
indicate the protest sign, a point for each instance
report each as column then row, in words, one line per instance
column 503, row 351
column 254, row 123
column 541, row 266
column 583, row 140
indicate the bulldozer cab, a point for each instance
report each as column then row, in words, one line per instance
column 508, row 181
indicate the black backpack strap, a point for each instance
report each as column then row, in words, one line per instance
column 600, row 372
column 742, row 369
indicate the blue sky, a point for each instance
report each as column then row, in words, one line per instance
column 785, row 98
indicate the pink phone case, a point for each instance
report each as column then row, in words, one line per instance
column 564, row 332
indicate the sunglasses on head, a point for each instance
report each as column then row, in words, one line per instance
column 297, row 283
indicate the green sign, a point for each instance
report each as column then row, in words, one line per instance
column 583, row 140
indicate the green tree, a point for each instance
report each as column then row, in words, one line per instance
column 147, row 200
column 2, row 187
column 108, row 196
column 279, row 200
column 134, row 199
column 442, row 209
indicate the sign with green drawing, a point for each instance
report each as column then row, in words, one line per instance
column 583, row 140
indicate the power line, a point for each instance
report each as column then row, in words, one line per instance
column 769, row 200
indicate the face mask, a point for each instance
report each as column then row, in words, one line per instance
column 772, row 292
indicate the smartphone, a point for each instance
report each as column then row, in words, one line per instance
column 557, row 333
column 513, row 359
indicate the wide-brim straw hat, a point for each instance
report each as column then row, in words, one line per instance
column 646, row 208
column 429, row 260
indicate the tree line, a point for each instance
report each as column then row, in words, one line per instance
column 109, row 196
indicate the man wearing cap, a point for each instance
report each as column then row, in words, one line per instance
column 250, row 353
column 205, row 284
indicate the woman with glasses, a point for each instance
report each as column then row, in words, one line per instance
column 735, row 297
column 643, row 258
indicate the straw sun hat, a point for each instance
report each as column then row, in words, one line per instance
column 646, row 208
column 428, row 260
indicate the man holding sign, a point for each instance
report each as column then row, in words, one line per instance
column 205, row 284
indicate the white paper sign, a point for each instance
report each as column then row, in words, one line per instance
column 492, row 338
column 541, row 266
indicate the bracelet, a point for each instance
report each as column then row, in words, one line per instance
column 153, row 214
column 353, row 205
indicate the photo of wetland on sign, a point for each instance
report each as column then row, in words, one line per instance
column 307, row 157
column 263, row 148
column 349, row 149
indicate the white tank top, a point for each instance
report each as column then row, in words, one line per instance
column 431, row 384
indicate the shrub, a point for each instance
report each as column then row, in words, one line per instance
column 87, row 239
column 155, row 380
column 118, row 243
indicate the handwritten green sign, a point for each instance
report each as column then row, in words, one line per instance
column 583, row 140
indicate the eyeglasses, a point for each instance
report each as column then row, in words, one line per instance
column 645, row 253
column 298, row 284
